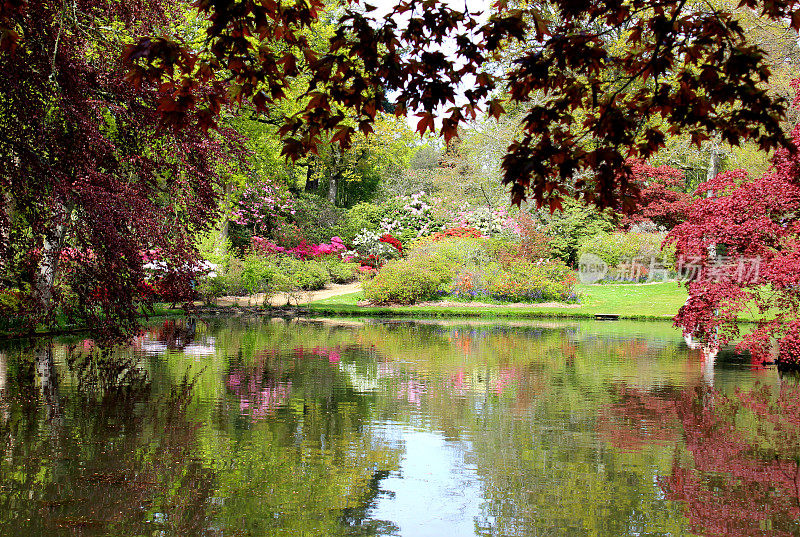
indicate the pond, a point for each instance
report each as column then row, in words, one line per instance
column 324, row 427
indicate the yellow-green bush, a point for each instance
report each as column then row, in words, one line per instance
column 404, row 281
column 622, row 247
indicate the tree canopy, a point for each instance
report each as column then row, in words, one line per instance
column 601, row 82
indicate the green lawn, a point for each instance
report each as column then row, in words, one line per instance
column 647, row 301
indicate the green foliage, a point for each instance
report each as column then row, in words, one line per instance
column 456, row 251
column 255, row 273
column 576, row 224
column 304, row 275
column 212, row 247
column 315, row 217
column 363, row 215
column 211, row 287
column 621, row 247
column 339, row 271
column 405, row 282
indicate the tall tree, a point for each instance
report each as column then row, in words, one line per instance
column 90, row 178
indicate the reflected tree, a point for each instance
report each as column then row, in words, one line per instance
column 742, row 475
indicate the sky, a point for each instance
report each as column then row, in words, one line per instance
column 385, row 6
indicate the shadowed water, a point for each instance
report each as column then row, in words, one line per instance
column 330, row 427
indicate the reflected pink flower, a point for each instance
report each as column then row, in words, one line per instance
column 504, row 378
column 234, row 379
column 458, row 380
column 412, row 391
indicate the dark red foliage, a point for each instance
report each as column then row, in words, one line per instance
column 683, row 68
column 661, row 200
column 742, row 240
column 85, row 162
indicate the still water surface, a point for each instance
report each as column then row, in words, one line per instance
column 331, row 427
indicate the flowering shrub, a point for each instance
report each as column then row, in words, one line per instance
column 287, row 234
column 369, row 249
column 457, row 232
column 524, row 281
column 301, row 251
column 335, row 246
column 468, row 284
column 487, row 221
column 493, row 268
column 262, row 202
column 409, row 217
column 265, row 246
column 388, row 239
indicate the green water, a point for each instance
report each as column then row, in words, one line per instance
column 327, row 428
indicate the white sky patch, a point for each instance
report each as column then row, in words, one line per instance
column 449, row 47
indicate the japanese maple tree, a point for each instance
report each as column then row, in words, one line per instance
column 661, row 198
column 740, row 249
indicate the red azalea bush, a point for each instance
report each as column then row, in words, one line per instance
column 388, row 239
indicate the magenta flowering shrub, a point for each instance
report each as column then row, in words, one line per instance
column 335, row 246
column 301, row 251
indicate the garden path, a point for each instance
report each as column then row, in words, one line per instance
column 281, row 299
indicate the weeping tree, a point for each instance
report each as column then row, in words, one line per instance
column 93, row 185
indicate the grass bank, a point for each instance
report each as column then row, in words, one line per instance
column 657, row 301
column 11, row 328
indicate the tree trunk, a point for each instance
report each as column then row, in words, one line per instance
column 222, row 238
column 47, row 271
column 333, row 178
column 312, row 183
column 6, row 218
column 333, row 188
column 714, row 164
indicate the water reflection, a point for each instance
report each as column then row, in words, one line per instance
column 267, row 427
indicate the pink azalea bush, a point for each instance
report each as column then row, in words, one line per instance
column 301, row 251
